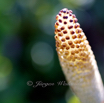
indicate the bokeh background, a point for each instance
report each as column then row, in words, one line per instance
column 27, row 47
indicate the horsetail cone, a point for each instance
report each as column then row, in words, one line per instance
column 77, row 59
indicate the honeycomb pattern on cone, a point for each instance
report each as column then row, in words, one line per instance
column 71, row 42
column 77, row 59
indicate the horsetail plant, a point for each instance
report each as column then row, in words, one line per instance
column 77, row 59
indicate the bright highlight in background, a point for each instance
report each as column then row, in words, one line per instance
column 42, row 53
column 5, row 66
column 5, row 71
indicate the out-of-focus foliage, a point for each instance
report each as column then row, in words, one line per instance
column 27, row 47
column 73, row 99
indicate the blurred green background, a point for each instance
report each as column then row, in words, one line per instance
column 27, row 47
